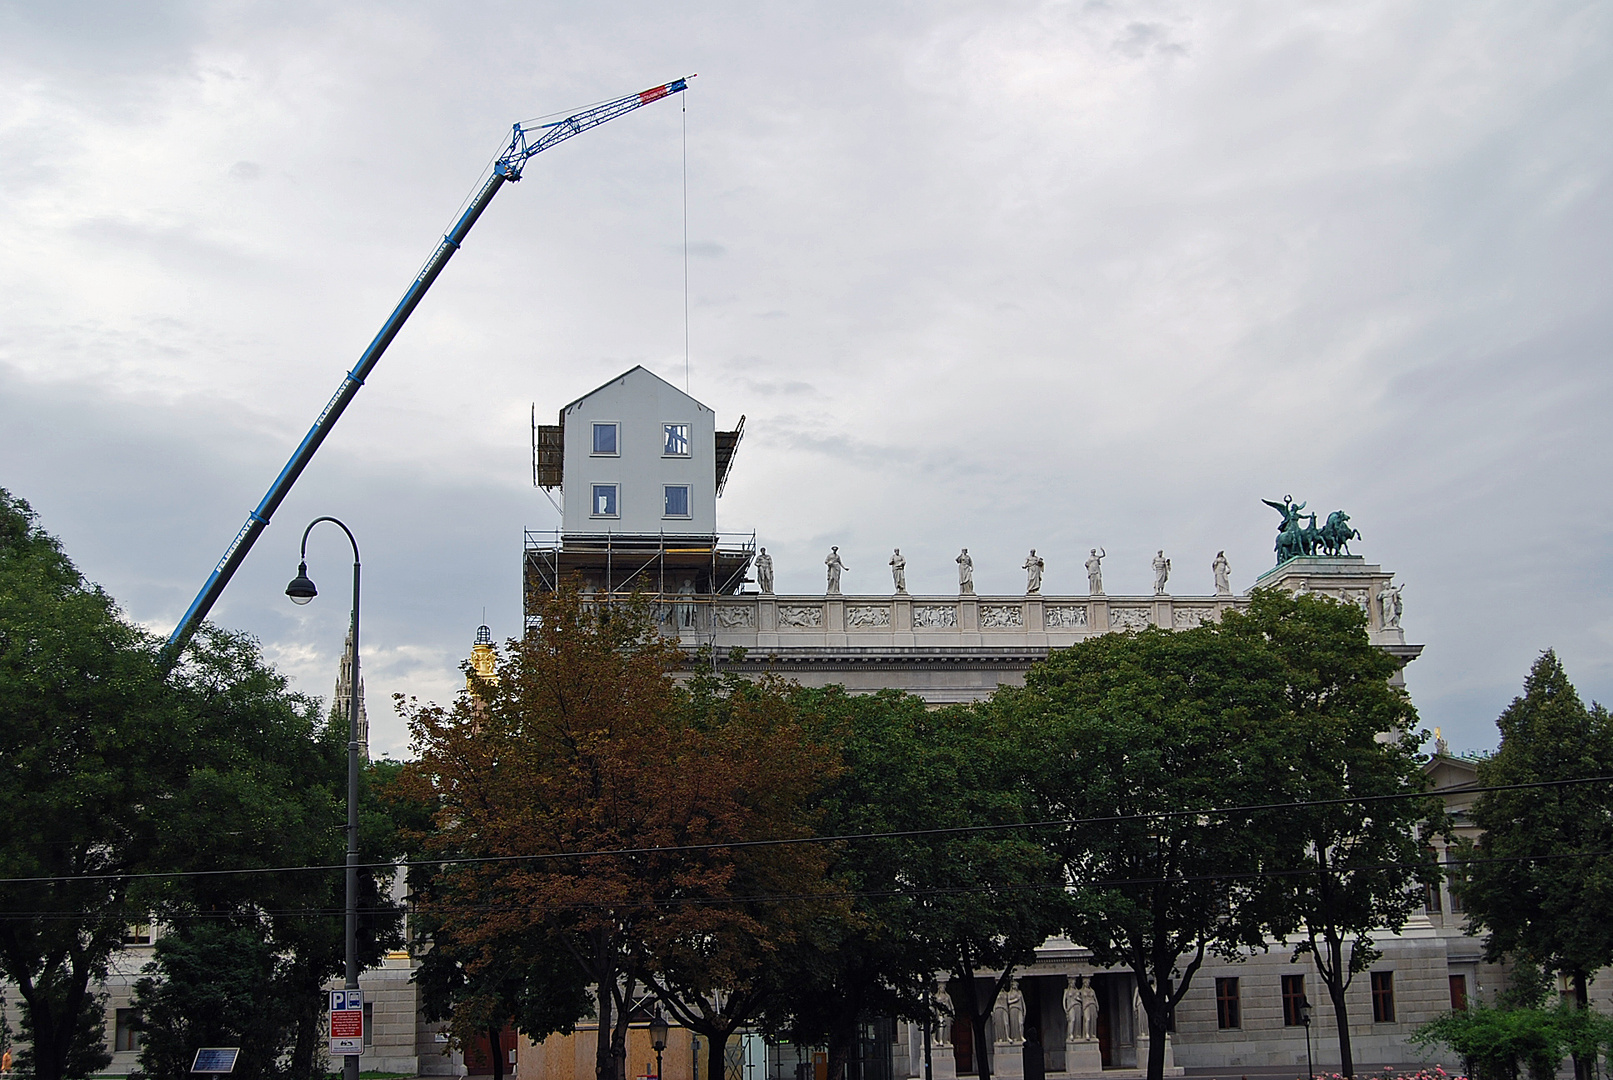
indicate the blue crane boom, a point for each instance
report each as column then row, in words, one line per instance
column 524, row 143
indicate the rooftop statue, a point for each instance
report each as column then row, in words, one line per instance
column 1034, row 565
column 764, row 572
column 1337, row 533
column 1294, row 539
column 966, row 572
column 835, row 567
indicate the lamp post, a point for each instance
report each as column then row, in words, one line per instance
column 302, row 590
column 658, row 1032
column 1305, row 1018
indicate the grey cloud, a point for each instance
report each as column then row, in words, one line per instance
column 1041, row 283
column 1141, row 38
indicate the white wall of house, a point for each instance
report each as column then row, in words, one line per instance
column 620, row 484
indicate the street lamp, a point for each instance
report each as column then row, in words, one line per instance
column 1305, row 1018
column 302, row 590
column 658, row 1032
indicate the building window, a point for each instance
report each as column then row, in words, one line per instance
column 604, row 500
column 676, row 440
column 1459, row 993
column 1383, row 997
column 1293, row 998
column 137, row 934
column 1431, row 901
column 605, row 439
column 677, row 500
column 369, row 1023
column 126, row 1037
column 1456, row 897
column 1226, row 1004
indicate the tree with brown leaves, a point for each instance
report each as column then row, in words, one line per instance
column 585, row 791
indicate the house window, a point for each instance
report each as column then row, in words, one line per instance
column 677, row 500
column 369, row 1023
column 1293, row 998
column 1383, row 997
column 604, row 500
column 137, row 934
column 605, row 439
column 1459, row 993
column 126, row 1037
column 676, row 440
column 1226, row 1004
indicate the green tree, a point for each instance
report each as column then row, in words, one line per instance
column 1539, row 880
column 850, row 967
column 969, row 901
column 90, row 741
column 264, row 786
column 1143, row 736
column 1357, row 861
column 213, row 983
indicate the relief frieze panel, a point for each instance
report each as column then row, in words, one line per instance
column 868, row 616
column 1001, row 616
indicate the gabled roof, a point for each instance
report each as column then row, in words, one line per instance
column 611, row 382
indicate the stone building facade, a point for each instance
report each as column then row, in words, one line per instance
column 639, row 466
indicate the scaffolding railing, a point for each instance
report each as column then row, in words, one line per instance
column 637, row 563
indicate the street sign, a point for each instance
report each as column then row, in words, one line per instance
column 215, row 1059
column 346, row 1023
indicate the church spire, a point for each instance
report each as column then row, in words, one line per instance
column 341, row 701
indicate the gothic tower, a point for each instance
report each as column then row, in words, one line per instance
column 343, row 697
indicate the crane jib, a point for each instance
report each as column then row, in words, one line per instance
column 508, row 168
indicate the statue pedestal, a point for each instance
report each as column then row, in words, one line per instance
column 1083, row 1058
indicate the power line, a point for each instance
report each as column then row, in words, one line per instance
column 842, row 894
column 955, row 830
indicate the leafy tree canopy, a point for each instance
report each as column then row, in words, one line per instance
column 1357, row 861
column 587, row 743
column 1540, row 878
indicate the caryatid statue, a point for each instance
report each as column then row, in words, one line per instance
column 1223, row 574
column 835, row 567
column 764, row 572
column 1162, row 572
column 966, row 572
column 1033, row 573
column 1089, row 1008
column 1095, row 572
column 1016, row 1016
column 899, row 571
column 685, row 606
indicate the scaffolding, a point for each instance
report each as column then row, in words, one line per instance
column 659, row 567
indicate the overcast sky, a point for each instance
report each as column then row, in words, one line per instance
column 990, row 274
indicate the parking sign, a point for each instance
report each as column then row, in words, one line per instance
column 346, row 1023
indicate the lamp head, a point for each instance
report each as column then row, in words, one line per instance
column 301, row 590
column 1305, row 1011
column 658, row 1032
